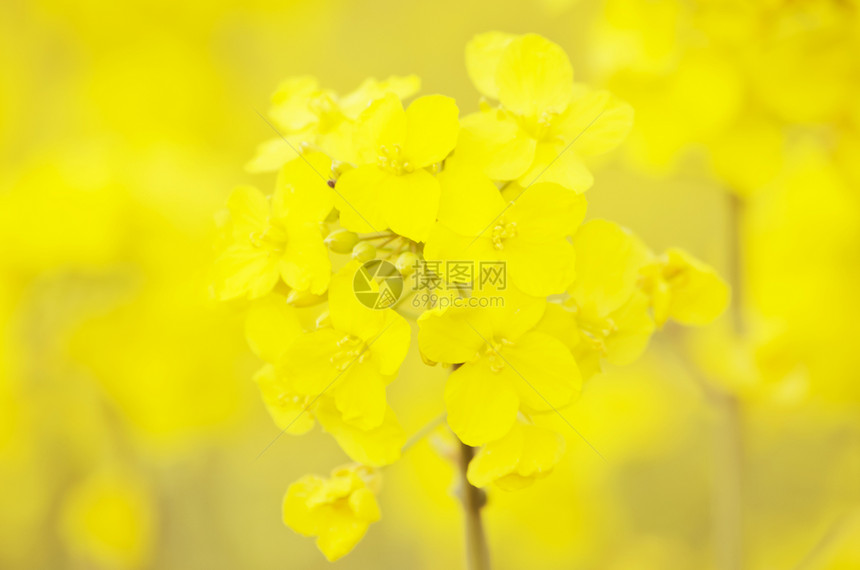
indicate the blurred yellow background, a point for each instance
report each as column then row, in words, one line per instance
column 129, row 425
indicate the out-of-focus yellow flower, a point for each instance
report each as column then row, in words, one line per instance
column 507, row 366
column 515, row 461
column 352, row 359
column 528, row 234
column 336, row 373
column 108, row 520
column 391, row 186
column 312, row 117
column 545, row 124
column 684, row 289
column 337, row 510
column 606, row 317
column 276, row 238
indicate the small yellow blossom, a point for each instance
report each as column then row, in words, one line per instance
column 109, row 519
column 311, row 117
column 337, row 510
column 352, row 359
column 684, row 289
column 545, row 124
column 391, row 186
column 609, row 312
column 507, row 365
column 528, row 233
column 276, row 238
column 527, row 453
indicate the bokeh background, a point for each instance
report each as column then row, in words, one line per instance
column 129, row 425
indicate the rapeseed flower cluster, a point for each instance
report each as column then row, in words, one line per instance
column 366, row 179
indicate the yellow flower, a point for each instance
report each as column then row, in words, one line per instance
column 507, row 366
column 545, row 124
column 684, row 289
column 309, row 116
column 339, row 383
column 527, row 453
column 276, row 238
column 391, row 186
column 337, row 510
column 352, row 359
column 528, row 233
column 109, row 519
column 610, row 313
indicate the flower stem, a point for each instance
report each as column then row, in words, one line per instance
column 729, row 444
column 477, row 553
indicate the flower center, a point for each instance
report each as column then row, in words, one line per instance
column 270, row 238
column 493, row 353
column 392, row 159
column 596, row 334
column 351, row 348
column 503, row 231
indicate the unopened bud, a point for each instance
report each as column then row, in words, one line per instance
column 341, row 241
column 405, row 263
column 363, row 252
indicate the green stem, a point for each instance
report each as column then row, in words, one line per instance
column 728, row 506
column 477, row 552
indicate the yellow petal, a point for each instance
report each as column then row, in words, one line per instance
column 482, row 404
column 540, row 269
column 358, row 200
column 634, row 327
column 376, row 447
column 348, row 315
column 360, row 395
column 595, row 122
column 390, row 345
column 497, row 459
column 273, row 154
column 546, row 211
column 561, row 324
column 382, row 124
column 470, row 202
column 310, row 361
column 301, row 188
column 289, row 411
column 543, row 371
column 410, row 203
column 558, row 163
column 371, row 89
column 297, row 515
column 534, row 77
column 249, row 211
column 305, row 265
column 493, row 141
column 431, row 130
column 608, row 259
column 242, row 270
column 340, row 536
column 542, row 450
column 290, row 109
column 364, row 506
column 483, row 53
column 450, row 336
column 448, row 246
column 698, row 294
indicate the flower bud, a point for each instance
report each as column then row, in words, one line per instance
column 341, row 241
column 405, row 263
column 363, row 251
